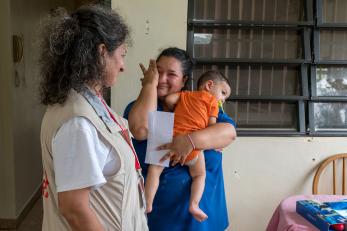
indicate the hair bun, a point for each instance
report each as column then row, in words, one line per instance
column 63, row 33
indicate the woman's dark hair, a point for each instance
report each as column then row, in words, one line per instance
column 183, row 57
column 70, row 56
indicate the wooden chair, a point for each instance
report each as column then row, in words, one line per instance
column 323, row 166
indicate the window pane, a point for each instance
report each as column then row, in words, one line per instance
column 252, row 115
column 334, row 11
column 333, row 45
column 250, row 10
column 247, row 43
column 330, row 116
column 331, row 81
column 257, row 80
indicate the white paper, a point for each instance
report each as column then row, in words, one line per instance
column 160, row 131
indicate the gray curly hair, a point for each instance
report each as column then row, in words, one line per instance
column 70, row 56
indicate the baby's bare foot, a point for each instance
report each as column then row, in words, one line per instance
column 197, row 213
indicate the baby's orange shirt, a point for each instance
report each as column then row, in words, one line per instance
column 193, row 110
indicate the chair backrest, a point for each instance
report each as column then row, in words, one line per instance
column 323, row 166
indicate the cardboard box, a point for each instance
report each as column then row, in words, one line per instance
column 320, row 215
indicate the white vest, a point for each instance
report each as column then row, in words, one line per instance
column 118, row 203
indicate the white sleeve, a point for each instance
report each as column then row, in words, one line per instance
column 75, row 159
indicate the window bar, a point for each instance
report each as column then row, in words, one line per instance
column 335, row 11
column 304, row 80
column 332, row 46
column 217, row 9
column 313, row 81
column 311, row 118
column 250, row 55
column 215, row 45
column 286, row 32
column 260, row 85
column 251, row 32
column 301, row 121
column 344, row 49
column 287, row 12
column 306, row 44
column 333, row 52
column 227, row 49
column 191, row 9
column 190, row 37
column 272, row 56
column 285, row 68
column 239, row 36
column 262, row 32
column 325, row 8
column 319, row 12
column 284, row 75
column 275, row 11
column 248, row 93
column 272, row 71
column 204, row 48
column 190, row 49
column 316, row 42
column 248, row 88
column 237, row 79
column 237, row 90
column 308, row 10
column 261, row 55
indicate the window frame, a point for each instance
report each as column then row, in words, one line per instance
column 310, row 47
column 317, row 61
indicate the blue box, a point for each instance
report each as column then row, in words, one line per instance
column 320, row 214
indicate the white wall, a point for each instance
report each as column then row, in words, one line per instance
column 27, row 18
column 20, row 110
column 7, row 195
column 258, row 172
column 167, row 26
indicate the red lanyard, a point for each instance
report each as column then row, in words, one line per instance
column 124, row 133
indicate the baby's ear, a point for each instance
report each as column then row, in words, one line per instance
column 209, row 85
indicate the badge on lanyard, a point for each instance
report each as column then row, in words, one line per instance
column 141, row 186
column 126, row 136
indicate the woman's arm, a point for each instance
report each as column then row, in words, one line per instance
column 215, row 136
column 145, row 103
column 74, row 206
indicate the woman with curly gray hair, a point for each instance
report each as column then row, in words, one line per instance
column 92, row 178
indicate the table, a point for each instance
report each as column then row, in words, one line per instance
column 285, row 217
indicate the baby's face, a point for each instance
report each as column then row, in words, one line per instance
column 220, row 90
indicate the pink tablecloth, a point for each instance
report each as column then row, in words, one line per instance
column 286, row 219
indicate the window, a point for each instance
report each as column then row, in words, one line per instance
column 288, row 71
column 328, row 102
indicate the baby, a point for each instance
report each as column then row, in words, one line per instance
column 194, row 110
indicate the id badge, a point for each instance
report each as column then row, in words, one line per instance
column 141, row 186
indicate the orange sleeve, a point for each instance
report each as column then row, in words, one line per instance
column 214, row 108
